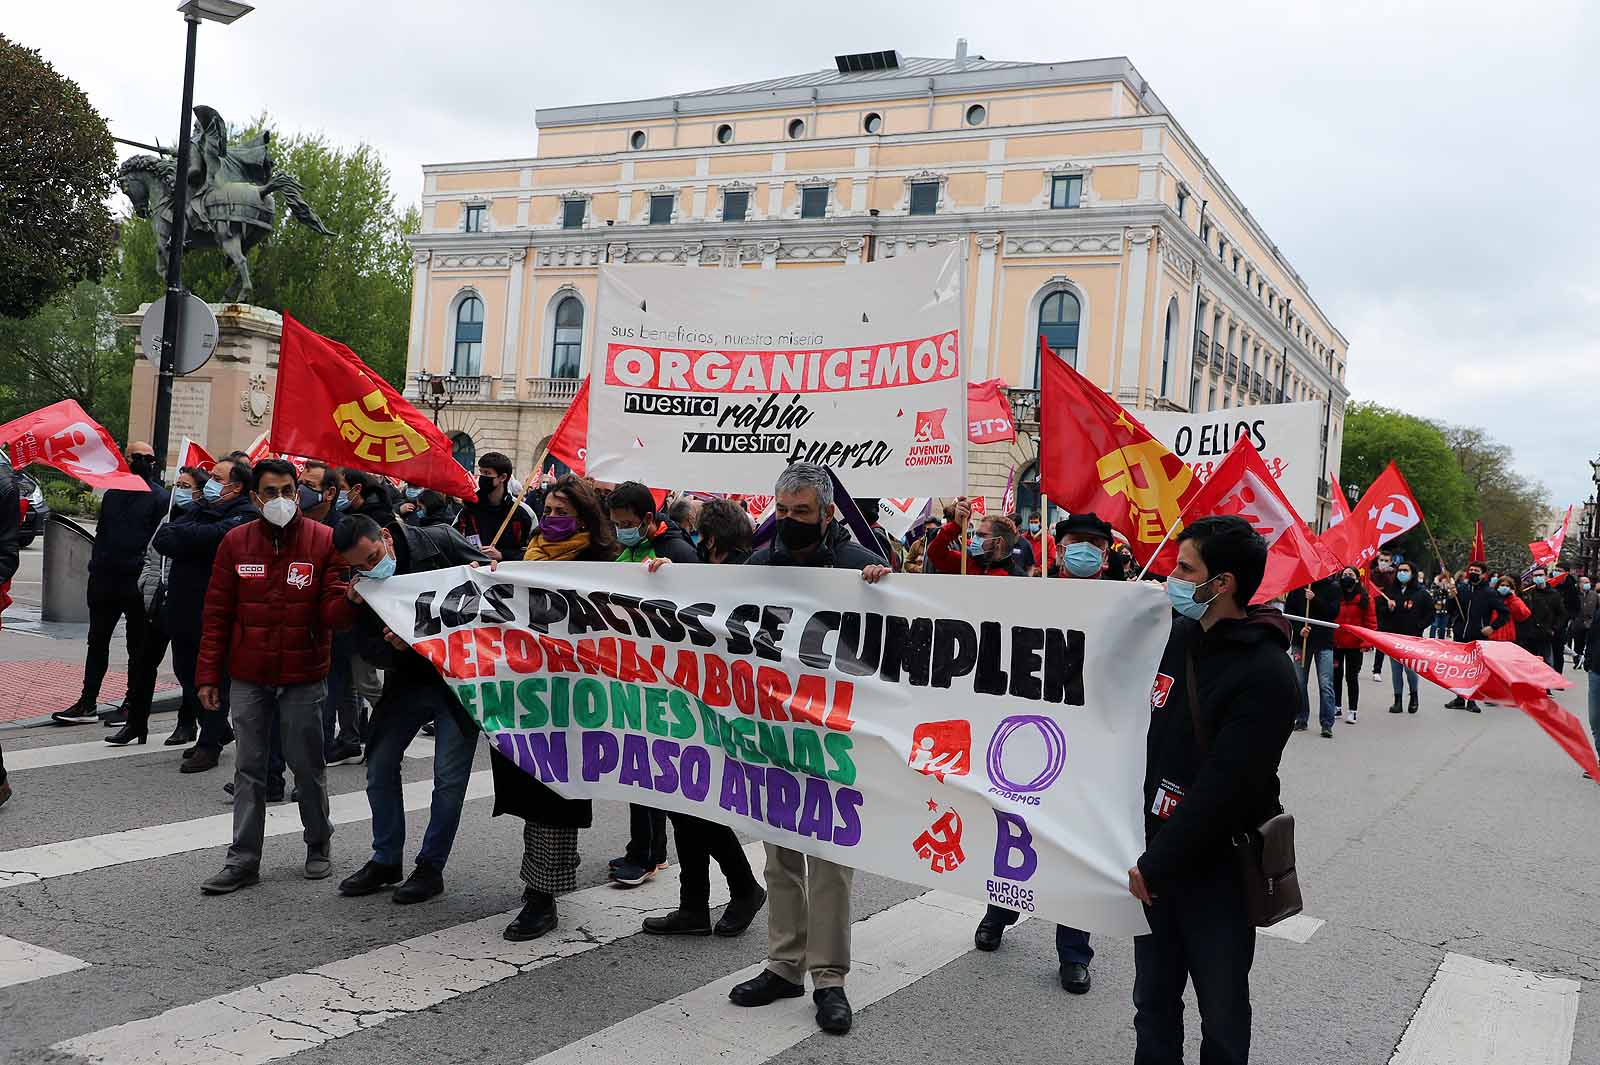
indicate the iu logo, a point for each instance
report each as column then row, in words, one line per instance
column 300, row 574
column 930, row 425
column 79, row 449
column 1159, row 692
column 940, row 844
column 942, row 747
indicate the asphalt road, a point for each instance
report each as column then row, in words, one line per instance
column 1442, row 833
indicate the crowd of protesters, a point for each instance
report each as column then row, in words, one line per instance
column 252, row 576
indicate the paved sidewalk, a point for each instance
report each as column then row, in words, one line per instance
column 41, row 668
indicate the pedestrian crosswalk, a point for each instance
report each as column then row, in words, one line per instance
column 22, row 963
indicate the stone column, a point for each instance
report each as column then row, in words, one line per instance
column 511, row 346
column 416, row 346
column 983, row 309
column 1133, row 313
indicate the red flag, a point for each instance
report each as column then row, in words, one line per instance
column 1243, row 485
column 1387, row 510
column 1340, row 510
column 1479, row 555
column 331, row 405
column 569, row 444
column 1008, row 502
column 192, row 454
column 989, row 418
column 1493, row 671
column 1546, row 551
column 1095, row 456
column 63, row 436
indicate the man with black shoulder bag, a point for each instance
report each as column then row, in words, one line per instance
column 1219, row 850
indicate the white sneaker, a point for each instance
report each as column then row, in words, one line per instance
column 1350, row 717
column 1378, row 677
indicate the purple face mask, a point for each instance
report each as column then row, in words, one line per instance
column 557, row 527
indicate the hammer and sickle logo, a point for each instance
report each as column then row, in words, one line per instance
column 1152, row 495
column 374, row 433
column 940, row 845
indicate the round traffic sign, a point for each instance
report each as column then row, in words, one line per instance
column 197, row 334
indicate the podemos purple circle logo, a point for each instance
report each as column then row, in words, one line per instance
column 1055, row 753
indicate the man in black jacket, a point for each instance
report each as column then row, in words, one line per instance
column 1541, row 633
column 1408, row 612
column 413, row 693
column 10, row 558
column 191, row 541
column 479, row 521
column 1486, row 612
column 808, row 923
column 127, row 521
column 1211, row 774
column 1320, row 602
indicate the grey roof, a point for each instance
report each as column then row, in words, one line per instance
column 910, row 67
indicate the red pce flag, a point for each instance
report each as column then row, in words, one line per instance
column 569, row 444
column 1095, row 456
column 63, row 436
column 330, row 405
column 1242, row 485
column 1546, row 551
column 191, row 454
column 1479, row 554
column 1492, row 671
column 1386, row 511
column 989, row 418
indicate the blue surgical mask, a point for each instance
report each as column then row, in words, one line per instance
column 1504, row 589
column 1539, row 580
column 413, row 494
column 1404, row 577
column 630, row 537
column 383, row 570
column 976, row 545
column 182, row 497
column 1181, row 594
column 694, row 538
column 1084, row 560
column 213, row 490
column 341, row 502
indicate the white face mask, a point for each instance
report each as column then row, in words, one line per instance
column 280, row 511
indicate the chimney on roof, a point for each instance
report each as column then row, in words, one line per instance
column 961, row 51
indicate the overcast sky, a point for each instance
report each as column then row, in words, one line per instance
column 1427, row 165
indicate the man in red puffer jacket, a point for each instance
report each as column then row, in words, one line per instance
column 277, row 591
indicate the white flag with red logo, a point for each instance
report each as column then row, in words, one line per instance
column 63, row 436
column 1243, row 486
column 191, row 454
column 1546, row 551
column 1389, row 509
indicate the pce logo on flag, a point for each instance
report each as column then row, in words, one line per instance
column 940, row 844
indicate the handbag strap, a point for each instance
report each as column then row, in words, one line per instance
column 1201, row 735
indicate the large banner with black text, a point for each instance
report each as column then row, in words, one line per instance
column 721, row 378
column 1288, row 436
column 991, row 746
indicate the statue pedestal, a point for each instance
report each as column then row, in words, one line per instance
column 226, row 403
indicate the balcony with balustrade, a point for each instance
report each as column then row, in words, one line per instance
column 552, row 391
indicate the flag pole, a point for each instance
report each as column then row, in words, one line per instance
column 1440, row 556
column 538, row 467
column 1045, row 536
column 964, row 523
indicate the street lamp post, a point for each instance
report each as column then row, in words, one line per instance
column 223, row 11
column 438, row 392
column 1352, row 493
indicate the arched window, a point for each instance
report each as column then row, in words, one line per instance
column 468, row 361
column 1058, row 324
column 464, row 451
column 566, row 344
column 1166, row 343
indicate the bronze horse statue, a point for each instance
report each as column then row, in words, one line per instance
column 231, row 190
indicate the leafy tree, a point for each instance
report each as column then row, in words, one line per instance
column 354, row 286
column 70, row 349
column 57, row 164
column 1374, row 435
column 1512, row 509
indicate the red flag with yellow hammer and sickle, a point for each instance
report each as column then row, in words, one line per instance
column 1095, row 456
column 332, row 406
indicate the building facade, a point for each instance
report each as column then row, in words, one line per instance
column 1087, row 216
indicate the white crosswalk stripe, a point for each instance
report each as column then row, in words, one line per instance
column 29, row 865
column 100, row 751
column 22, row 963
column 1479, row 1013
column 272, row 1020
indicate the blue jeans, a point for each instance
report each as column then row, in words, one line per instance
column 1441, row 627
column 1594, row 709
column 1072, row 944
column 1395, row 672
column 394, row 725
column 1325, row 693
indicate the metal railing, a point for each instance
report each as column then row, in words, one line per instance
column 1232, row 370
column 456, row 386
column 552, row 391
column 1202, row 347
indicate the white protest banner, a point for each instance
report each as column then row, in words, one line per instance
column 897, row 515
column 989, row 745
column 1288, row 436
column 721, row 378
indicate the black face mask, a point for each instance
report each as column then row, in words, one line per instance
column 799, row 535
column 1474, row 578
column 1347, row 582
column 143, row 465
column 486, row 485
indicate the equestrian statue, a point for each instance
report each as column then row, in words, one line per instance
column 231, row 190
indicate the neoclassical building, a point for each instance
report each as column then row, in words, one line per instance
column 1086, row 212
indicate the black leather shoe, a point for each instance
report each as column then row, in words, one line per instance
column 764, row 989
column 127, row 734
column 833, row 1010
column 1075, row 978
column 116, row 718
column 1411, row 707
column 424, row 883
column 538, row 916
column 232, row 878
column 369, row 879
column 1474, row 708
column 987, row 937
column 181, row 735
column 741, row 911
column 680, row 923
column 1395, row 708
column 202, row 759
column 1457, row 703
